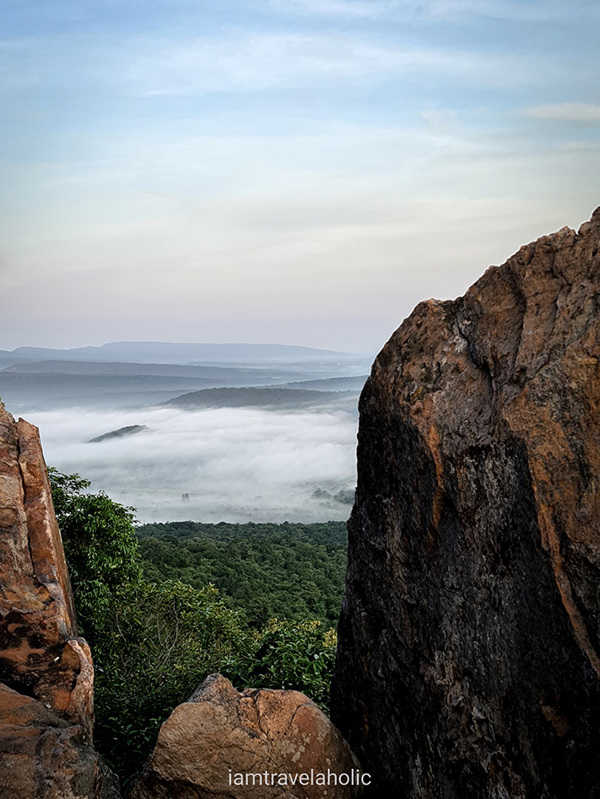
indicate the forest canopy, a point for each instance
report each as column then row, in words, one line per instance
column 290, row 571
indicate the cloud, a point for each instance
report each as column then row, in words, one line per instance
column 248, row 62
column 280, row 179
column 236, row 464
column 495, row 9
column 326, row 239
column 442, row 10
column 566, row 112
column 263, row 61
column 358, row 9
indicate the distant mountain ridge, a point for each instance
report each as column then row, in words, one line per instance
column 212, row 371
column 256, row 397
column 350, row 383
column 175, row 352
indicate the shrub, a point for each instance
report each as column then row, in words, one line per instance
column 101, row 546
column 161, row 641
column 299, row 655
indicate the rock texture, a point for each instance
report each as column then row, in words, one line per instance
column 469, row 643
column 219, row 730
column 46, row 672
column 43, row 755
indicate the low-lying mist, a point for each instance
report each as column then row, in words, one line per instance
column 227, row 464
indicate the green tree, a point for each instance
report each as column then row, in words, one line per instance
column 101, row 546
column 152, row 642
column 164, row 639
column 298, row 655
column 155, row 637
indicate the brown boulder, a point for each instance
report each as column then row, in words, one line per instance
column 45, row 756
column 220, row 733
column 46, row 671
column 468, row 660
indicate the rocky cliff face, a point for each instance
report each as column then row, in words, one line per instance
column 46, row 672
column 469, row 643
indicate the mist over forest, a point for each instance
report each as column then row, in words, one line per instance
column 268, row 439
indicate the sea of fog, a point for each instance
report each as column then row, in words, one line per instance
column 234, row 464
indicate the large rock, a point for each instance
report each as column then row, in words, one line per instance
column 468, row 661
column 43, row 755
column 46, row 672
column 220, row 733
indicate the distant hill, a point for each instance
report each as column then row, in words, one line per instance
column 171, row 352
column 210, row 372
column 39, row 385
column 122, row 432
column 256, row 397
column 330, row 383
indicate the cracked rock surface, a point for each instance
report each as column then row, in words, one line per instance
column 219, row 730
column 46, row 671
column 469, row 643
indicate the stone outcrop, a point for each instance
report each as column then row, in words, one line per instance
column 469, row 643
column 46, row 672
column 220, row 733
column 44, row 756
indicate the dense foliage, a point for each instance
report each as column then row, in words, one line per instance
column 100, row 544
column 154, row 638
column 291, row 571
column 293, row 654
column 159, row 642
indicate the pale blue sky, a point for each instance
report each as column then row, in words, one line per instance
column 297, row 171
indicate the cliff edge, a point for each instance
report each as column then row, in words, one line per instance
column 46, row 671
column 469, row 643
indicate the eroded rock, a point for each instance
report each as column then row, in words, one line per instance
column 46, row 671
column 220, row 732
column 468, row 661
column 43, row 755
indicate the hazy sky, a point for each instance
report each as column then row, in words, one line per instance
column 297, row 171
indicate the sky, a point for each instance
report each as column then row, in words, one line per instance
column 289, row 171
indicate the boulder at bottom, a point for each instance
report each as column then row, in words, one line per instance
column 266, row 738
column 43, row 756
